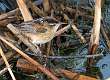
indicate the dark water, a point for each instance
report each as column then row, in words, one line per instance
column 7, row 5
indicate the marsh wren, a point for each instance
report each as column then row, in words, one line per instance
column 38, row 31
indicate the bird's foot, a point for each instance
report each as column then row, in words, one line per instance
column 38, row 50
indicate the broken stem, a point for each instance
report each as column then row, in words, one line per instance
column 24, row 10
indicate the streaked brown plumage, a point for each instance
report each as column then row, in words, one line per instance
column 38, row 32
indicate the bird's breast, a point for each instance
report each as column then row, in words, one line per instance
column 41, row 38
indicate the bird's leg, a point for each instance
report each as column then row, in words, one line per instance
column 40, row 45
column 38, row 49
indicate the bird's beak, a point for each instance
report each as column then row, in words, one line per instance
column 55, row 28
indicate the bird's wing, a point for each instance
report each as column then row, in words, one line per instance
column 33, row 28
column 27, row 28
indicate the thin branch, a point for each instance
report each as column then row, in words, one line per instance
column 7, row 64
column 6, row 15
column 46, row 5
column 35, row 9
column 75, row 76
column 6, row 21
column 62, row 30
column 105, row 35
column 8, row 56
column 3, row 71
column 24, row 10
column 75, row 29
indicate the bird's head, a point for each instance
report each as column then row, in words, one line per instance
column 55, row 26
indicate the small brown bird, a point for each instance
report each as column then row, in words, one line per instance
column 39, row 32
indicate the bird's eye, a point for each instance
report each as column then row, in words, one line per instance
column 42, row 21
column 42, row 30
